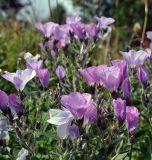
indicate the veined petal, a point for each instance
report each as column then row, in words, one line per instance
column 60, row 117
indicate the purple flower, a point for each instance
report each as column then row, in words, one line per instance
column 34, row 64
column 104, row 22
column 120, row 109
column 43, row 75
column 80, row 105
column 149, row 35
column 62, row 36
column 73, row 19
column 15, row 103
column 128, row 113
column 63, row 119
column 78, row 30
column 111, row 77
column 3, row 100
column 122, row 64
column 20, row 78
column 73, row 131
column 132, row 117
column 135, row 58
column 46, row 29
column 143, row 74
column 12, row 101
column 92, row 74
column 91, row 31
column 126, row 88
column 60, row 72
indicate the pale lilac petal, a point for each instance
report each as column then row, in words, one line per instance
column 20, row 78
column 60, row 117
column 9, row 76
column 104, row 22
column 135, row 58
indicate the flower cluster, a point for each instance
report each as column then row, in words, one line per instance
column 60, row 36
column 90, row 96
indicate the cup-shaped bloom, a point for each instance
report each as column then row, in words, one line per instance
column 80, row 105
column 43, row 75
column 149, row 35
column 46, row 29
column 122, row 64
column 143, row 75
column 120, row 109
column 3, row 100
column 73, row 19
column 92, row 74
column 104, row 22
column 60, row 72
column 111, row 77
column 126, row 88
column 132, row 117
column 63, row 119
column 20, row 78
column 135, row 58
column 91, row 31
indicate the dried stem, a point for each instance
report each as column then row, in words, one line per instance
column 145, row 21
